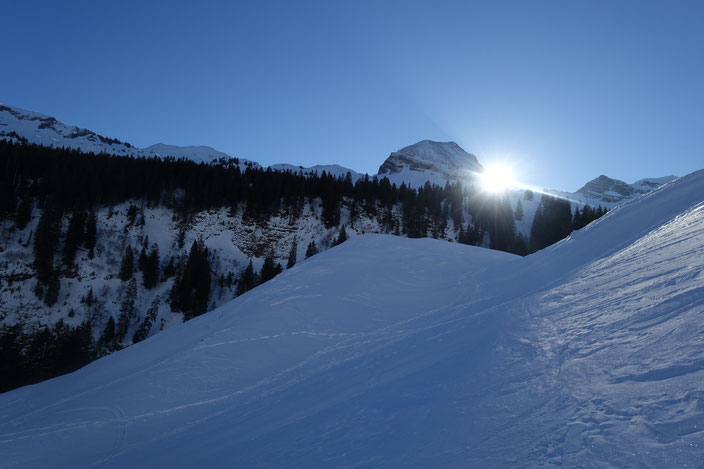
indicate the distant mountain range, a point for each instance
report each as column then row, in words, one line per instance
column 436, row 162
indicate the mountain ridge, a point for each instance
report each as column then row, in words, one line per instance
column 426, row 160
column 614, row 190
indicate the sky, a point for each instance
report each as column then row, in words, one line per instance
column 562, row 91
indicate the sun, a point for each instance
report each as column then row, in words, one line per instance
column 496, row 178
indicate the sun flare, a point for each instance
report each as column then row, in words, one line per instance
column 497, row 178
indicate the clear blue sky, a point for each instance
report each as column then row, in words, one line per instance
column 565, row 90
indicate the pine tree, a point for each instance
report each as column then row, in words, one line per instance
column 502, row 225
column 577, row 219
column 92, row 305
column 341, row 237
column 191, row 290
column 74, row 237
column 90, row 237
column 142, row 331
column 518, row 213
column 108, row 335
column 24, row 210
column 311, row 250
column 12, row 366
column 268, row 268
column 52, row 289
column 127, row 265
column 150, row 276
column 292, row 254
column 142, row 259
column 127, row 311
column 247, row 280
column 46, row 241
column 520, row 246
column 552, row 222
column 170, row 269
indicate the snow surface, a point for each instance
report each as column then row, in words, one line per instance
column 388, row 351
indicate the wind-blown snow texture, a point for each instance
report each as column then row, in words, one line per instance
column 388, row 351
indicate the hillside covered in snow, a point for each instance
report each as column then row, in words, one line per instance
column 387, row 351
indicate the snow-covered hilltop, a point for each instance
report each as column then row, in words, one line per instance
column 437, row 162
column 18, row 124
column 613, row 191
column 198, row 154
column 391, row 352
column 47, row 131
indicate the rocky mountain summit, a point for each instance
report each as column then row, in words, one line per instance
column 437, row 162
column 614, row 191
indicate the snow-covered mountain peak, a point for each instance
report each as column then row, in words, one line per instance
column 443, row 152
column 427, row 160
column 606, row 187
column 199, row 154
column 40, row 129
column 609, row 190
column 16, row 123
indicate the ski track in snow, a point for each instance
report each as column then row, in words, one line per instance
column 413, row 353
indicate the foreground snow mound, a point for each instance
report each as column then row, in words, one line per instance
column 395, row 352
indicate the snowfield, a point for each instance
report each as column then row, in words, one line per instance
column 387, row 351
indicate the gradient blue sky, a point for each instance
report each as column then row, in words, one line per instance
column 563, row 90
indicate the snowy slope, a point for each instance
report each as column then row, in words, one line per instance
column 47, row 131
column 388, row 351
column 199, row 154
